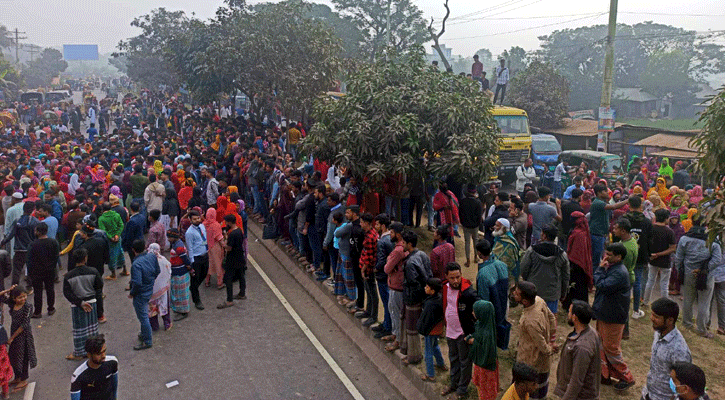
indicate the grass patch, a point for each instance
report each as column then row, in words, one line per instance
column 672, row 125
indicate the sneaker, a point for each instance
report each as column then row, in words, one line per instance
column 368, row 322
column 142, row 346
column 638, row 314
column 330, row 283
column 377, row 328
column 321, row 277
column 623, row 385
column 361, row 314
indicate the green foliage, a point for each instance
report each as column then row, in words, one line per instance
column 485, row 57
column 667, row 74
column 407, row 26
column 41, row 72
column 146, row 54
column 542, row 92
column 342, row 26
column 396, row 113
column 516, row 60
column 711, row 143
column 579, row 55
column 6, row 39
column 10, row 80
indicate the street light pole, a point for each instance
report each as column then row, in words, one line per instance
column 606, row 100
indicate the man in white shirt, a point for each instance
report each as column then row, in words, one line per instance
column 559, row 172
column 525, row 173
column 502, row 78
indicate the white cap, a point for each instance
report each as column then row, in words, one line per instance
column 504, row 222
column 18, row 195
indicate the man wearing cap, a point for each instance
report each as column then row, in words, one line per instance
column 506, row 248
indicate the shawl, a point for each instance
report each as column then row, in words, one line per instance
column 73, row 185
column 163, row 279
column 687, row 223
column 579, row 245
column 483, row 349
column 32, row 195
column 116, row 191
column 232, row 209
column 695, row 195
column 158, row 166
column 221, row 205
column 660, row 188
column 184, row 196
column 213, row 228
column 665, row 168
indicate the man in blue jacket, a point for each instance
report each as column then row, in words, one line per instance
column 144, row 270
column 611, row 306
column 133, row 230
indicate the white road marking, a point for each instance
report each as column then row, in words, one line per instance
column 311, row 336
column 29, row 391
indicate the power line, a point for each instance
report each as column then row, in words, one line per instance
column 512, row 2
column 530, row 28
column 535, row 17
column 671, row 14
column 462, row 19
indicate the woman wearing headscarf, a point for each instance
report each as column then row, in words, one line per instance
column 221, row 204
column 687, row 222
column 185, row 194
column 196, row 199
column 657, row 203
column 666, row 170
column 32, row 196
column 73, row 184
column 695, row 195
column 159, row 303
column 158, row 167
column 579, row 250
column 660, row 188
column 483, row 351
column 215, row 242
column 171, row 208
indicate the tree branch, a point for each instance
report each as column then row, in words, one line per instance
column 435, row 37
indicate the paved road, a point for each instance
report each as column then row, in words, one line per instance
column 254, row 350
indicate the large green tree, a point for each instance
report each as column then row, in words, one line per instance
column 542, row 92
column 407, row 27
column 401, row 118
column 147, row 54
column 41, row 71
column 579, row 55
column 667, row 74
column 711, row 144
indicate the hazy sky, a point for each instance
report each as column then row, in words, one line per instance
column 507, row 22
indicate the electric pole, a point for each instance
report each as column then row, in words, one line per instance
column 33, row 50
column 17, row 44
column 606, row 100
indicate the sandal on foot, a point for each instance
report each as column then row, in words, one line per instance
column 124, row 273
column 392, row 347
column 220, row 287
column 448, row 391
column 71, row 357
column 428, row 378
column 224, row 305
column 721, row 331
column 110, row 278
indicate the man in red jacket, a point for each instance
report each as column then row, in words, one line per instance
column 458, row 298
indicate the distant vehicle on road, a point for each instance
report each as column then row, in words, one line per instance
column 29, row 97
column 516, row 139
column 545, row 149
column 607, row 166
column 56, row 96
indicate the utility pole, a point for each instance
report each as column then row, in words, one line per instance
column 33, row 51
column 17, row 44
column 606, row 100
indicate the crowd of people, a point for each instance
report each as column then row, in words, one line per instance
column 174, row 188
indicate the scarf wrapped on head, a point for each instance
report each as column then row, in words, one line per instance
column 580, row 245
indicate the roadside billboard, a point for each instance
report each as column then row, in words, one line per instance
column 77, row 52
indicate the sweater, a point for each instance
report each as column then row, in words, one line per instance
column 394, row 267
column 546, row 266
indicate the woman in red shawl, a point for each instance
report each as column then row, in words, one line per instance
column 185, row 194
column 221, row 206
column 233, row 210
column 579, row 250
column 215, row 240
column 446, row 204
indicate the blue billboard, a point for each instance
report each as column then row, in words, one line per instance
column 74, row 52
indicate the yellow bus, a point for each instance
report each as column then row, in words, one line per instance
column 516, row 139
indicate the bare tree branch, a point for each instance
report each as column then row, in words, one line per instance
column 435, row 37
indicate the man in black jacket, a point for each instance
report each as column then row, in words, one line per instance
column 83, row 288
column 99, row 248
column 357, row 236
column 43, row 256
column 501, row 210
column 24, row 233
column 459, row 324
column 470, row 211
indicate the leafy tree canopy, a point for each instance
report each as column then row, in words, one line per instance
column 399, row 112
column 407, row 26
column 542, row 92
column 579, row 55
column 42, row 71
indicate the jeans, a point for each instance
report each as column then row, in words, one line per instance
column 316, row 245
column 719, row 299
column 429, row 210
column 461, row 364
column 293, row 233
column 371, row 292
column 259, row 207
column 553, row 306
column 664, row 280
column 470, row 235
column 502, row 88
column 141, row 306
column 699, row 298
column 432, row 350
column 417, row 204
column 556, row 190
column 384, row 297
column 395, row 305
column 333, row 253
column 637, row 287
column 597, row 249
column 359, row 284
